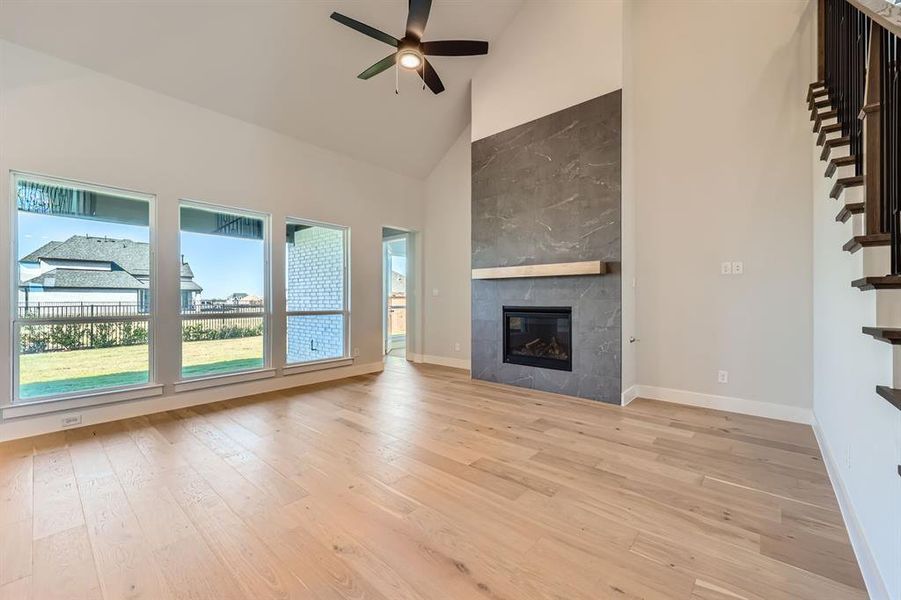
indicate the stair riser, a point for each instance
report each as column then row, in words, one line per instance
column 838, row 151
column 896, row 366
column 888, row 308
column 828, row 121
column 876, row 263
column 857, row 228
column 850, row 195
column 831, row 135
column 842, row 172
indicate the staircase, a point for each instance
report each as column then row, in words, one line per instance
column 855, row 109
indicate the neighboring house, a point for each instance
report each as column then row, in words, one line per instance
column 398, row 283
column 244, row 300
column 93, row 270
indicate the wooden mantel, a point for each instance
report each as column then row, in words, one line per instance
column 587, row 267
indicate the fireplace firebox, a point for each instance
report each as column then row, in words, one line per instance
column 538, row 336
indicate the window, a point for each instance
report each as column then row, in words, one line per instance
column 224, row 283
column 316, row 286
column 82, row 317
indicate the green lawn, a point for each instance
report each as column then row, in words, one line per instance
column 53, row 373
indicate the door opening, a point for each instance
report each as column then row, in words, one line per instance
column 394, row 250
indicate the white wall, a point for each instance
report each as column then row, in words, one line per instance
column 553, row 55
column 446, row 243
column 858, row 431
column 721, row 161
column 62, row 120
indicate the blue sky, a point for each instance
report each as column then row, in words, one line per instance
column 221, row 265
column 399, row 264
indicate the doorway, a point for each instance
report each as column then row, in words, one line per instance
column 394, row 296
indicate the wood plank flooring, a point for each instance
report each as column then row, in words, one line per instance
column 418, row 483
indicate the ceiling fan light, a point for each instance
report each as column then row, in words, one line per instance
column 410, row 60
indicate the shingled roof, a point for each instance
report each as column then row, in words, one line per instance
column 129, row 255
column 86, row 278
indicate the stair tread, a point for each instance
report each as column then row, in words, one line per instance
column 820, row 117
column 845, row 182
column 818, row 95
column 862, row 241
column 826, row 130
column 852, row 208
column 892, row 335
column 891, row 394
column 839, row 161
column 828, row 145
column 879, row 282
column 814, row 87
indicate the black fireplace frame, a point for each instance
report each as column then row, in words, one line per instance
column 508, row 312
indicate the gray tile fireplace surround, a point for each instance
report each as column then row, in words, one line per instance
column 549, row 191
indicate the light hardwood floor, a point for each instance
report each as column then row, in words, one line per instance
column 419, row 483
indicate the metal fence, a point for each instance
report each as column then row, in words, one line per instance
column 81, row 310
column 58, row 337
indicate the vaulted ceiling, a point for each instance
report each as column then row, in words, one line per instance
column 280, row 64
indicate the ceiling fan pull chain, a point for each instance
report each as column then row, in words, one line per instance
column 396, row 78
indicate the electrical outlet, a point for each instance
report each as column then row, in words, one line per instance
column 722, row 377
column 457, row 347
column 726, row 268
column 70, row 421
column 738, row 268
column 848, row 457
column 434, row 291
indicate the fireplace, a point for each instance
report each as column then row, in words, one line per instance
column 538, row 337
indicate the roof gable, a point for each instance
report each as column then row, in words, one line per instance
column 131, row 256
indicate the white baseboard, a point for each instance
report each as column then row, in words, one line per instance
column 443, row 361
column 629, row 395
column 48, row 423
column 782, row 412
column 876, row 587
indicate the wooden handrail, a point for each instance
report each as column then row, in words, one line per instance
column 883, row 12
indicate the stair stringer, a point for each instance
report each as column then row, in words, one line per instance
column 856, row 428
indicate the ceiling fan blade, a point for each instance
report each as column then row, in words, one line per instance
column 430, row 77
column 366, row 29
column 454, row 48
column 382, row 65
column 417, row 17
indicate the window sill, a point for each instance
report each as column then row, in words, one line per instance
column 319, row 365
column 217, row 380
column 39, row 407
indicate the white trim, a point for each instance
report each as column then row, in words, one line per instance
column 319, row 365
column 876, row 587
column 40, row 407
column 200, row 383
column 629, row 395
column 782, row 412
column 443, row 361
column 344, row 311
column 40, row 424
column 266, row 218
column 151, row 318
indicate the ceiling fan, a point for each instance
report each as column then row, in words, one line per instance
column 411, row 50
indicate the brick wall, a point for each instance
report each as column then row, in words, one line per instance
column 315, row 278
